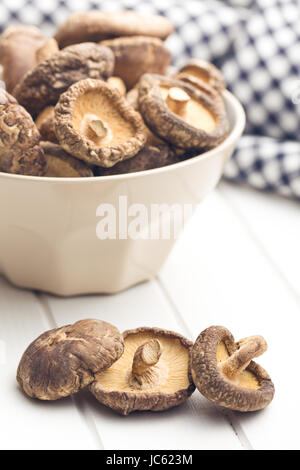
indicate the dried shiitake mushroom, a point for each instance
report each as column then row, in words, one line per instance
column 62, row 361
column 152, row 374
column 181, row 114
column 18, row 46
column 20, row 152
column 45, row 124
column 98, row 25
column 43, row 85
column 46, row 50
column 148, row 158
column 62, row 165
column 223, row 371
column 206, row 72
column 136, row 55
column 95, row 123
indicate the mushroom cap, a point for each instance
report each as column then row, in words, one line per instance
column 60, row 164
column 45, row 124
column 98, row 25
column 136, row 55
column 20, row 152
column 205, row 71
column 173, row 382
column 148, row 158
column 94, row 100
column 43, row 85
column 251, row 390
column 205, row 124
column 18, row 46
column 62, row 361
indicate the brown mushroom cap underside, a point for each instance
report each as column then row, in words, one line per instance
column 252, row 390
column 148, row 158
column 204, row 87
column 18, row 46
column 132, row 96
column 93, row 102
column 98, row 25
column 20, row 152
column 43, row 85
column 205, row 71
column 136, row 55
column 46, row 50
column 60, row 164
column 45, row 124
column 205, row 126
column 62, row 361
column 173, row 384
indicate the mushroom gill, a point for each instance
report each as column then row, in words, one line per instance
column 192, row 111
column 168, row 373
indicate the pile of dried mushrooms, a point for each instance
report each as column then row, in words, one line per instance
column 99, row 99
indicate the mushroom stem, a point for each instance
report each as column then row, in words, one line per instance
column 146, row 356
column 177, row 101
column 248, row 348
column 98, row 128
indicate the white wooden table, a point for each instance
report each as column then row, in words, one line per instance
column 238, row 265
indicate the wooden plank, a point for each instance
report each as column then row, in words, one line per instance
column 275, row 223
column 26, row 423
column 196, row 424
column 218, row 274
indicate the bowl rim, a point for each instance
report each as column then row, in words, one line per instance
column 234, row 134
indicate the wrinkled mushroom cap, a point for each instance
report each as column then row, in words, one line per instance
column 96, row 124
column 18, row 46
column 148, row 158
column 20, row 152
column 62, row 361
column 199, row 121
column 136, row 55
column 43, row 85
column 98, row 25
column 250, row 389
column 165, row 384
column 60, row 164
column 205, row 71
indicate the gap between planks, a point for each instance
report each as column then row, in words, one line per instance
column 229, row 415
column 78, row 402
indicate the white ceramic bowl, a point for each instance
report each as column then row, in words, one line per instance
column 49, row 226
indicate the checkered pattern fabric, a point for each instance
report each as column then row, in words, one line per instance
column 256, row 44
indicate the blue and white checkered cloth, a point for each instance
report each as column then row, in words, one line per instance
column 256, row 44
